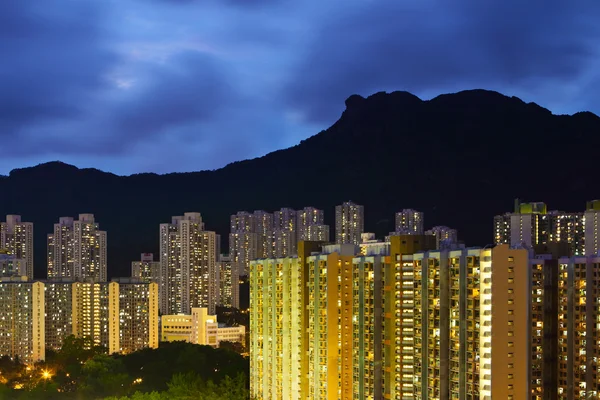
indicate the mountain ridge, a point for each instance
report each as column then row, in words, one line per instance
column 460, row 158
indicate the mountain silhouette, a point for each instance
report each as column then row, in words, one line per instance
column 460, row 158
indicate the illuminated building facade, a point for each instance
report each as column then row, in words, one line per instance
column 310, row 225
column 409, row 222
column 16, row 239
column 445, row 238
column 284, row 233
column 199, row 328
column 592, row 228
column 531, row 224
column 59, row 311
column 22, row 310
column 187, row 262
column 147, row 270
column 229, row 283
column 330, row 307
column 61, row 249
column 138, row 315
column 349, row 223
column 77, row 249
column 578, row 328
column 243, row 241
column 278, row 321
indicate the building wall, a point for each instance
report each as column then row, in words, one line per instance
column 59, row 313
column 22, row 310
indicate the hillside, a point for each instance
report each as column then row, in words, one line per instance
column 460, row 158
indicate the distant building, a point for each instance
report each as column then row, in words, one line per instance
column 11, row 266
column 16, row 239
column 349, row 223
column 311, row 226
column 531, row 224
column 187, row 261
column 199, row 328
column 243, row 241
column 284, row 233
column 146, row 269
column 77, row 249
column 592, row 228
column 228, row 278
column 446, row 238
column 409, row 222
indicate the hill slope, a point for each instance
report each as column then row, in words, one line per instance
column 460, row 158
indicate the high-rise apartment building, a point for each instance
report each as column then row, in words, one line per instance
column 592, row 228
column 138, row 315
column 402, row 323
column 95, row 313
column 409, row 222
column 146, row 269
column 444, row 237
column 22, row 310
column 284, row 233
column 121, row 315
column 243, row 241
column 263, row 227
column 16, row 238
column 229, row 282
column 59, row 311
column 578, row 328
column 187, row 260
column 349, row 223
column 279, row 337
column 77, row 249
column 311, row 226
column 531, row 224
column 61, row 249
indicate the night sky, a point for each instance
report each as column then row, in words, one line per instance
column 132, row 86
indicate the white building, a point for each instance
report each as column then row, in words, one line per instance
column 349, row 223
column 187, row 263
column 199, row 327
column 16, row 238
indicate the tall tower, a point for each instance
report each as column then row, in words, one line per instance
column 16, row 237
column 187, row 260
column 284, row 232
column 310, row 225
column 89, row 249
column 592, row 228
column 243, row 241
column 60, row 249
column 349, row 223
column 77, row 249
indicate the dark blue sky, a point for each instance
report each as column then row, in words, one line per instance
column 181, row 85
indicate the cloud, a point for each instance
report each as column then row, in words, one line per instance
column 178, row 85
column 53, row 61
column 432, row 46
